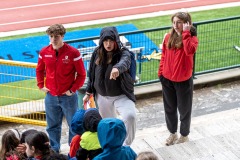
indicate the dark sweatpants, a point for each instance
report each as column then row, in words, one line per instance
column 177, row 95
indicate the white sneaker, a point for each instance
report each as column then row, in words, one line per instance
column 172, row 139
column 182, row 139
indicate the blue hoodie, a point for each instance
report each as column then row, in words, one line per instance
column 111, row 135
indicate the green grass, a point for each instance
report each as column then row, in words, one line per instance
column 20, row 91
column 216, row 45
column 154, row 22
column 27, row 90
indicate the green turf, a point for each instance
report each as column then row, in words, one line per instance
column 20, row 91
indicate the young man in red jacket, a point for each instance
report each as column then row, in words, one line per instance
column 65, row 74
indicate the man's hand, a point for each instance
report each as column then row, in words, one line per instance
column 45, row 90
column 114, row 73
column 69, row 93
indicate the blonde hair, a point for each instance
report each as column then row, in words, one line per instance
column 147, row 155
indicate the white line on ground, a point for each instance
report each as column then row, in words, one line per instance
column 117, row 19
column 39, row 5
column 89, row 13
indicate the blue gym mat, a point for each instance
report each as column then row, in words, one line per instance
column 27, row 49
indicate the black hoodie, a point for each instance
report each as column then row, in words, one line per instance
column 99, row 74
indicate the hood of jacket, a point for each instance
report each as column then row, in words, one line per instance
column 111, row 133
column 77, row 122
column 91, row 119
column 110, row 33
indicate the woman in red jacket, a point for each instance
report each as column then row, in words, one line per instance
column 175, row 74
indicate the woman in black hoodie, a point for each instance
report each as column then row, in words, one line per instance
column 110, row 81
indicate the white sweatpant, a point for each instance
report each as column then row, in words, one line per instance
column 110, row 107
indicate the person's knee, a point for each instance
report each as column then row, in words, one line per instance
column 130, row 117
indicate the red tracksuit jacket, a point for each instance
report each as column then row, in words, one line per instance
column 177, row 64
column 63, row 72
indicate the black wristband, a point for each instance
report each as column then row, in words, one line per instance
column 70, row 91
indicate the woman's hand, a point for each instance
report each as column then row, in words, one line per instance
column 186, row 26
column 114, row 73
column 86, row 98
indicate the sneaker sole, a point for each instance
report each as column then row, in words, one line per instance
column 170, row 144
column 182, row 142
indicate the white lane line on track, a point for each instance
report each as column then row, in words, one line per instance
column 39, row 5
column 89, row 13
column 119, row 19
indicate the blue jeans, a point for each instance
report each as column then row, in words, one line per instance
column 56, row 107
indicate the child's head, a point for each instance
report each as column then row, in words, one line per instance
column 25, row 133
column 77, row 122
column 147, row 155
column 10, row 140
column 91, row 119
column 57, row 156
column 37, row 144
column 111, row 133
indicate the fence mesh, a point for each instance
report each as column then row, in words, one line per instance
column 20, row 99
column 219, row 49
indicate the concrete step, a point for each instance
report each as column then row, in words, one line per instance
column 213, row 136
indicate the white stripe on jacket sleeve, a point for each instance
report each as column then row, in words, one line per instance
column 76, row 59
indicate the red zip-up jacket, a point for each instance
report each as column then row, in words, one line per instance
column 177, row 64
column 63, row 72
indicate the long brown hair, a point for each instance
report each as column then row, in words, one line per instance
column 9, row 144
column 105, row 57
column 175, row 40
column 40, row 141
